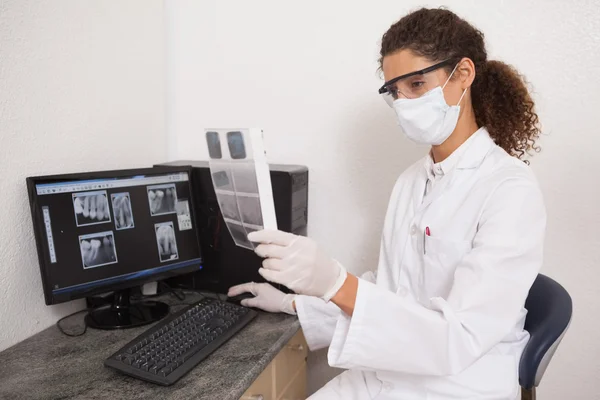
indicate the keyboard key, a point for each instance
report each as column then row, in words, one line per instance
column 191, row 352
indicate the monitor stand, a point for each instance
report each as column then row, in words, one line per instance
column 122, row 314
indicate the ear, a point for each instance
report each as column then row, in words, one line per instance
column 466, row 72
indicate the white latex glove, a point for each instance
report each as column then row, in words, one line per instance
column 266, row 297
column 298, row 263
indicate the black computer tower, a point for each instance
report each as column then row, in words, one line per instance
column 224, row 263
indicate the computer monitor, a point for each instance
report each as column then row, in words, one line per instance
column 109, row 231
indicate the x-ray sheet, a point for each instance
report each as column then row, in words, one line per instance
column 242, row 182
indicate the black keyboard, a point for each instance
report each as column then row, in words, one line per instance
column 169, row 350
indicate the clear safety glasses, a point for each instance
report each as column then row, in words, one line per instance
column 412, row 85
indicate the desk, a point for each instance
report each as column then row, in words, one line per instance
column 50, row 365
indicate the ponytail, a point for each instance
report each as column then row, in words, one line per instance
column 504, row 106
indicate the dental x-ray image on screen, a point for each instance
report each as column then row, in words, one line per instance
column 242, row 181
column 98, row 249
column 122, row 211
column 162, row 199
column 165, row 239
column 91, row 208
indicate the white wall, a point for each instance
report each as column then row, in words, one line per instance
column 306, row 73
column 81, row 88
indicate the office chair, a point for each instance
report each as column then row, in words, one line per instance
column 549, row 309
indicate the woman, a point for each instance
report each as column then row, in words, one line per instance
column 443, row 315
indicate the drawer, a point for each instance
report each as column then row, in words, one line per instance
column 262, row 386
column 296, row 390
column 289, row 360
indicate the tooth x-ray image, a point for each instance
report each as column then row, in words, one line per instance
column 214, row 145
column 250, row 209
column 162, row 199
column 229, row 206
column 165, row 239
column 91, row 208
column 122, row 211
column 237, row 148
column 97, row 249
column 221, row 180
column 239, row 234
column 244, row 178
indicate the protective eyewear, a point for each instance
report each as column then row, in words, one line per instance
column 412, row 85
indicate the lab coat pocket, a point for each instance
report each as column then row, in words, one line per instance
column 441, row 256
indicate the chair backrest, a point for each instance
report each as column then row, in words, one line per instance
column 549, row 310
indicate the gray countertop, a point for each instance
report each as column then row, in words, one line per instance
column 50, row 365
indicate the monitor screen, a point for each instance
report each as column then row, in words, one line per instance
column 103, row 231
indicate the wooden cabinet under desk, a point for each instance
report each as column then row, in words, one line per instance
column 285, row 377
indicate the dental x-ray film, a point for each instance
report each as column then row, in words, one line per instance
column 242, row 181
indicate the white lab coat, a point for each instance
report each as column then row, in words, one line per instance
column 443, row 317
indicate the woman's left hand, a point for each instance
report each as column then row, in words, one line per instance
column 298, row 263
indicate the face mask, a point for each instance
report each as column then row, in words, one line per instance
column 428, row 119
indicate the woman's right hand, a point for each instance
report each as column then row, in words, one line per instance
column 266, row 297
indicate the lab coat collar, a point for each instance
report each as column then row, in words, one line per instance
column 444, row 167
column 470, row 154
column 479, row 145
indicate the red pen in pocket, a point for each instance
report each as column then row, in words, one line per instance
column 425, row 234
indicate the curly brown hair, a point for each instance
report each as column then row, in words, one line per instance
column 501, row 101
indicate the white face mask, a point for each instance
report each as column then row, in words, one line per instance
column 428, row 119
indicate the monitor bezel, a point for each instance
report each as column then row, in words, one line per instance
column 39, row 232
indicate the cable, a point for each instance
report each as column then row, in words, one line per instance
column 179, row 293
column 181, row 304
column 71, row 315
column 204, row 293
